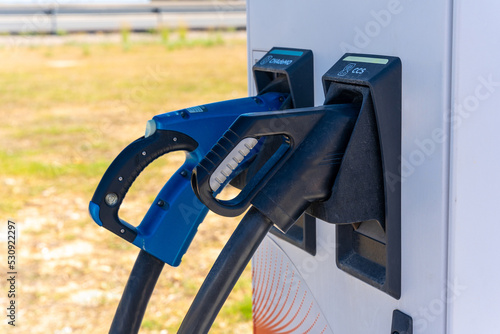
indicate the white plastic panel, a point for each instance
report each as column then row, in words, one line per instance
column 419, row 33
column 474, row 201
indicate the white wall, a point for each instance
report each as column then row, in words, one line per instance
column 419, row 32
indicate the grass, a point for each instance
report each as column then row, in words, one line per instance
column 164, row 34
column 125, row 34
column 66, row 112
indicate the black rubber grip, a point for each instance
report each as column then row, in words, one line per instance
column 293, row 125
column 126, row 167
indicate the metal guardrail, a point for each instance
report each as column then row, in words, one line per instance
column 161, row 7
column 195, row 14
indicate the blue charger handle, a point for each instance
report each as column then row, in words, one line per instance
column 171, row 222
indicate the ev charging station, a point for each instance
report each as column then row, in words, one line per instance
column 448, row 173
column 366, row 150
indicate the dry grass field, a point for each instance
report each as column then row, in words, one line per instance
column 66, row 111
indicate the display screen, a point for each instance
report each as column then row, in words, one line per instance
column 366, row 60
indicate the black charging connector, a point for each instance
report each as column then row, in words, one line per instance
column 318, row 138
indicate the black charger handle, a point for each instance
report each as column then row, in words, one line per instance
column 214, row 170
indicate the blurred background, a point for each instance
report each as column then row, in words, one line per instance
column 64, row 16
column 78, row 81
